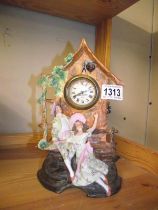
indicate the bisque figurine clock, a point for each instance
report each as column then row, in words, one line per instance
column 80, row 143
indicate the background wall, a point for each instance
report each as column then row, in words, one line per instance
column 31, row 43
column 131, row 36
column 152, row 126
column 134, row 59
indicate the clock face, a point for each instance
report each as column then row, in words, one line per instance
column 81, row 92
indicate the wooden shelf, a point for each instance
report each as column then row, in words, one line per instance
column 91, row 11
column 20, row 189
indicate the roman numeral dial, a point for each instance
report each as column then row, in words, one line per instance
column 81, row 92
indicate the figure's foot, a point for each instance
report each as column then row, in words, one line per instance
column 108, row 193
column 106, row 180
column 72, row 178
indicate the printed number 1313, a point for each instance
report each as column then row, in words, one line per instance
column 113, row 92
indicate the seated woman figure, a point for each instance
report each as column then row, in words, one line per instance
column 89, row 168
column 70, row 137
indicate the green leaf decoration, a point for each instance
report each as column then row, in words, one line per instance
column 41, row 98
column 57, row 90
column 69, row 58
column 43, row 80
column 62, row 75
column 56, row 80
column 57, row 69
column 59, row 93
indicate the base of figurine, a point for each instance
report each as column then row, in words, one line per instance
column 55, row 177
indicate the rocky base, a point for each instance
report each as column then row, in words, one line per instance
column 54, row 176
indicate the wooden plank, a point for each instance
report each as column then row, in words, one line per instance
column 19, row 139
column 20, row 189
column 103, row 42
column 128, row 149
column 92, row 11
column 16, row 152
column 139, row 154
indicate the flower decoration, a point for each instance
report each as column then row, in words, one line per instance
column 43, row 144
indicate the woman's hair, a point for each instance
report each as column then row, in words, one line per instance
column 53, row 108
column 85, row 127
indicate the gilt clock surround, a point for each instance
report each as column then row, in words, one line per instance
column 81, row 92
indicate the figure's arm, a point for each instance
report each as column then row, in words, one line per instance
column 94, row 124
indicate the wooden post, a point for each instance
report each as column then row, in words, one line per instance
column 103, row 42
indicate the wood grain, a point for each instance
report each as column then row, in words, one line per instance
column 103, row 42
column 136, row 153
column 20, row 189
column 92, row 11
column 84, row 52
column 139, row 154
column 19, row 140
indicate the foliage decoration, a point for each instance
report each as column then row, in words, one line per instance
column 56, row 80
column 43, row 80
column 69, row 58
column 41, row 98
column 43, row 144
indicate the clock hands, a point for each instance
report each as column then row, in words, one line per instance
column 80, row 93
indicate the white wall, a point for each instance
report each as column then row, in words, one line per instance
column 131, row 36
column 31, row 43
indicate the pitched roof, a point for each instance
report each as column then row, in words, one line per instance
column 85, row 49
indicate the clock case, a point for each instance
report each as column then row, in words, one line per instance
column 76, row 79
column 54, row 175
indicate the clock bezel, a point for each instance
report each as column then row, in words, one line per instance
column 71, row 102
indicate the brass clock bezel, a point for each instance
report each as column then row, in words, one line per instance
column 69, row 100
